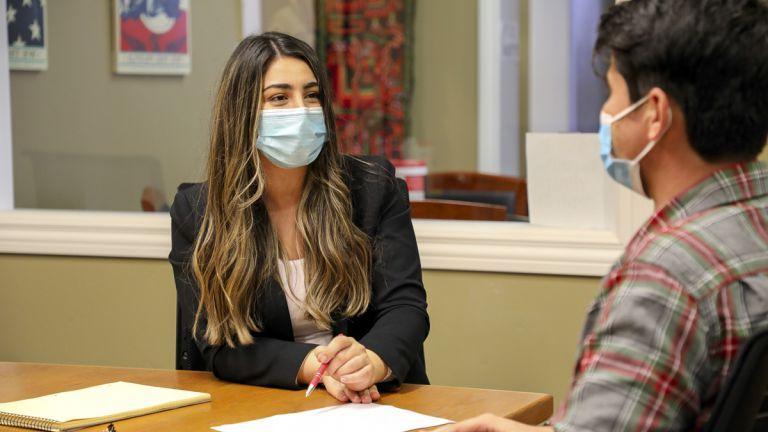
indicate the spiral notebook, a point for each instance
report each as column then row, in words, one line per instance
column 94, row 405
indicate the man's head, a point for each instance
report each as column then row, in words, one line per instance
column 708, row 57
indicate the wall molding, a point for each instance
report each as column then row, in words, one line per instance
column 85, row 233
column 516, row 248
column 443, row 245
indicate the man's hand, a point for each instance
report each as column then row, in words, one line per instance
column 492, row 423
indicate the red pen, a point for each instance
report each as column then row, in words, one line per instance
column 316, row 380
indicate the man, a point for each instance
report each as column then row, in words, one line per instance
column 686, row 118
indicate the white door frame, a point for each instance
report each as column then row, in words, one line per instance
column 488, row 83
column 6, row 155
column 498, row 87
column 251, row 19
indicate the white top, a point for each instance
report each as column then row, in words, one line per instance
column 295, row 290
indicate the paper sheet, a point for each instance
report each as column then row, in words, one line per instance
column 341, row 418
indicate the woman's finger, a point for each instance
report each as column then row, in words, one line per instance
column 366, row 396
column 345, row 355
column 352, row 365
column 336, row 389
column 362, row 379
column 352, row 395
column 375, row 395
column 326, row 353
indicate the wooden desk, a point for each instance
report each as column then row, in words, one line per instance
column 233, row 403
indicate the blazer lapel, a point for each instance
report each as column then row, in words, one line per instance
column 276, row 319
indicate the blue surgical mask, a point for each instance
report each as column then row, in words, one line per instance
column 624, row 171
column 291, row 138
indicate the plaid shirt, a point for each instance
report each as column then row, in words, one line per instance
column 662, row 334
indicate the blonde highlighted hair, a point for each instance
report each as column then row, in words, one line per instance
column 236, row 250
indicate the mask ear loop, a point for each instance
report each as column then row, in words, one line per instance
column 653, row 143
column 609, row 120
column 625, row 112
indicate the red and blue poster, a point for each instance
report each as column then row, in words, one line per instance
column 152, row 36
column 27, row 35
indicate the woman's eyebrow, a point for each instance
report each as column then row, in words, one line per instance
column 311, row 84
column 281, row 86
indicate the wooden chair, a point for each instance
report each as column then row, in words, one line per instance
column 153, row 200
column 479, row 187
column 457, row 210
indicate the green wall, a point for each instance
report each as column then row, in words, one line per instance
column 444, row 108
column 505, row 331
column 90, row 311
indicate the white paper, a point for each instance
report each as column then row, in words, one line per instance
column 341, row 418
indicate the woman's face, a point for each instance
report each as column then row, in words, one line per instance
column 290, row 83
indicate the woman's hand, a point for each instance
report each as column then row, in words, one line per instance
column 344, row 394
column 351, row 364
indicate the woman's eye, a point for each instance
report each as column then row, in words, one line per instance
column 278, row 98
column 313, row 95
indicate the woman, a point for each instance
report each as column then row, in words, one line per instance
column 291, row 255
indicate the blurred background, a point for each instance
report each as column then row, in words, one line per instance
column 446, row 89
column 110, row 109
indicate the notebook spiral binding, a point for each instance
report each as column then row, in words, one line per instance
column 17, row 420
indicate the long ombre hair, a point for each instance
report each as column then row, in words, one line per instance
column 237, row 249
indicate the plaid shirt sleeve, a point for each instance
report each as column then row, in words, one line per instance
column 641, row 362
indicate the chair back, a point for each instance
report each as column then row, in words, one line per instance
column 742, row 405
column 457, row 210
column 188, row 357
column 508, row 191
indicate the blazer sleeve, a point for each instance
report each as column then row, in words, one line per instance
column 267, row 361
column 399, row 301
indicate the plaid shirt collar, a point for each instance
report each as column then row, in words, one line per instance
column 740, row 182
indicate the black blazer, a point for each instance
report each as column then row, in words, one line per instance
column 394, row 326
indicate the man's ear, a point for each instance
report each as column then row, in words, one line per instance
column 657, row 113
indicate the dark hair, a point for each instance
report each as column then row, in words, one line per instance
column 710, row 56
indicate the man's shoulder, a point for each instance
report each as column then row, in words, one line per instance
column 710, row 248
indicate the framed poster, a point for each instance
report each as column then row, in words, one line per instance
column 27, row 35
column 152, row 37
